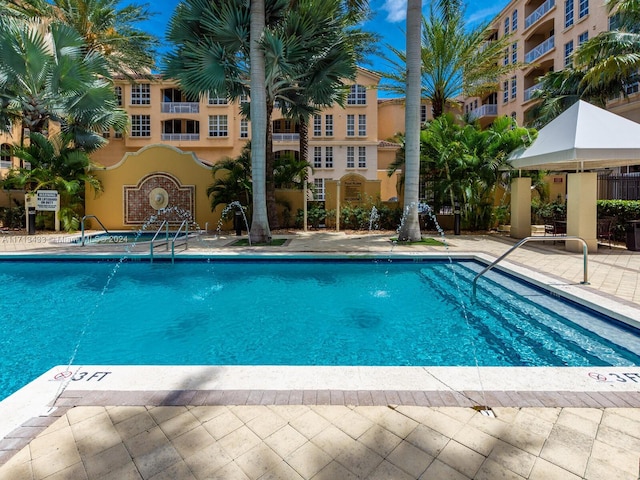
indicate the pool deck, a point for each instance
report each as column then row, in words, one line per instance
column 342, row 422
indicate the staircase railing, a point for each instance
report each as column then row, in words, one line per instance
column 535, row 239
column 164, row 225
column 177, row 236
column 82, row 227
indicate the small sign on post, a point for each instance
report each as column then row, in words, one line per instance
column 49, row 201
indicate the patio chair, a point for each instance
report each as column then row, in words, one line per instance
column 556, row 227
column 605, row 229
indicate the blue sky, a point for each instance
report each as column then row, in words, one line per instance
column 388, row 21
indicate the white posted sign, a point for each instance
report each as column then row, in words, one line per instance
column 47, row 200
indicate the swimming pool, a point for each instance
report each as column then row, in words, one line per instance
column 289, row 312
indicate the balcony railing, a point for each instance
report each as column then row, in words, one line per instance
column 528, row 93
column 181, row 137
column 286, row 137
column 539, row 50
column 486, row 110
column 180, row 107
column 6, row 164
column 538, row 13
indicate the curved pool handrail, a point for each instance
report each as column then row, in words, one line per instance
column 185, row 224
column 82, row 227
column 163, row 224
column 530, row 239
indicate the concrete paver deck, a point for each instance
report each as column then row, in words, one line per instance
column 333, row 437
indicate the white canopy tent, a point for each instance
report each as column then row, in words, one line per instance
column 584, row 137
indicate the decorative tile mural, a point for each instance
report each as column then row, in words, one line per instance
column 158, row 194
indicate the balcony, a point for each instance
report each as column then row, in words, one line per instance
column 528, row 93
column 539, row 50
column 486, row 110
column 180, row 137
column 286, row 137
column 180, row 107
column 539, row 13
column 6, row 164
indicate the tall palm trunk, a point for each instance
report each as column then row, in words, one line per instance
column 410, row 228
column 259, row 224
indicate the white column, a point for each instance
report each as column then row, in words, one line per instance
column 520, row 207
column 582, row 210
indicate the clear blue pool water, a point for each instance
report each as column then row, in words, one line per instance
column 289, row 313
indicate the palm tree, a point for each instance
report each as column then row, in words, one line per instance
column 602, row 67
column 56, row 164
column 469, row 162
column 47, row 75
column 456, row 60
column 107, row 27
column 612, row 57
column 232, row 180
column 410, row 227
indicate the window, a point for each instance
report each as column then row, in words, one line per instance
column 514, row 88
column 106, row 133
column 328, row 125
column 614, row 22
column 218, row 126
column 317, row 157
column 514, row 52
column 328, row 157
column 318, row 184
column 362, row 157
column 5, row 156
column 351, row 125
column 244, row 98
column 244, row 128
column 214, row 99
column 423, row 114
column 140, row 94
column 568, row 13
column 583, row 8
column 506, row 26
column 119, row 95
column 506, row 57
column 357, row 95
column 568, row 50
column 317, row 125
column 362, row 125
column 514, row 21
column 140, row 125
column 351, row 156
column 583, row 37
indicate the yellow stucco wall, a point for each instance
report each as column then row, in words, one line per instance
column 110, row 206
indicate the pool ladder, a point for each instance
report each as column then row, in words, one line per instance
column 534, row 239
column 165, row 225
column 82, row 227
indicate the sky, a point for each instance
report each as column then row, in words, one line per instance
column 388, row 21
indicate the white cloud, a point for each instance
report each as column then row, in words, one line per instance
column 396, row 10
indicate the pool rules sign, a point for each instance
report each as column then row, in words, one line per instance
column 44, row 201
column 47, row 201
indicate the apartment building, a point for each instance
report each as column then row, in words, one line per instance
column 544, row 35
column 341, row 140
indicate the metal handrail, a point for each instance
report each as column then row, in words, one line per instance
column 529, row 239
column 166, row 238
column 184, row 224
column 82, row 227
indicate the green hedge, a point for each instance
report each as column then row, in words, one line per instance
column 622, row 210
